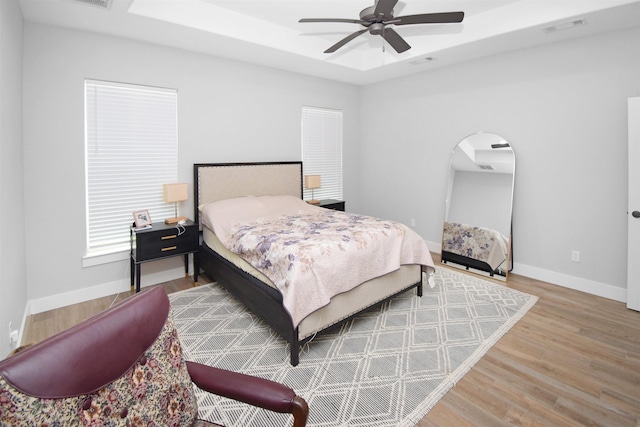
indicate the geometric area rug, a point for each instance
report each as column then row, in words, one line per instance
column 386, row 367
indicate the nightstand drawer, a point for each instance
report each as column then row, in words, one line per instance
column 154, row 244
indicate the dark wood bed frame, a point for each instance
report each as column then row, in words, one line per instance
column 260, row 298
column 469, row 263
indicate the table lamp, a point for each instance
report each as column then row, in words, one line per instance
column 311, row 182
column 174, row 193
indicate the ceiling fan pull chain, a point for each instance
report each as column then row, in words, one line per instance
column 384, row 42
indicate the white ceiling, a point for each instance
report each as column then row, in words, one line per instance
column 476, row 150
column 267, row 32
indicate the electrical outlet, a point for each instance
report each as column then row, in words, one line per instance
column 13, row 337
column 575, row 256
column 13, row 334
column 413, row 222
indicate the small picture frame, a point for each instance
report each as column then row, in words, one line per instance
column 142, row 218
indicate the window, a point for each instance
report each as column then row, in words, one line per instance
column 131, row 141
column 322, row 151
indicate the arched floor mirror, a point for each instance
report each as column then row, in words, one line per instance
column 477, row 229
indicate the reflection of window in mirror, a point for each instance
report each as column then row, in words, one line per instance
column 477, row 230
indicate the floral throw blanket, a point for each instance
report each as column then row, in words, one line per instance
column 314, row 255
column 474, row 242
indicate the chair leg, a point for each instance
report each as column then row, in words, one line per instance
column 300, row 412
column 295, row 348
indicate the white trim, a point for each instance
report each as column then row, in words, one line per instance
column 604, row 290
column 25, row 316
column 633, row 203
column 52, row 302
column 92, row 259
column 435, row 247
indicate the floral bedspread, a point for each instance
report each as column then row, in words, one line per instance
column 313, row 256
column 482, row 244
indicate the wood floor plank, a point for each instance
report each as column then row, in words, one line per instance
column 525, row 417
column 595, row 415
column 476, row 386
column 470, row 410
column 572, row 360
column 43, row 325
column 624, row 400
column 443, row 415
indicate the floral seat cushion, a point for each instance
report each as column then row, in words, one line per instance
column 155, row 391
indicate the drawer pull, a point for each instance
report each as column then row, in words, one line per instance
column 170, row 248
column 173, row 236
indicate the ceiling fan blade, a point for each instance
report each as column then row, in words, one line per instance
column 429, row 18
column 395, row 40
column 344, row 41
column 348, row 21
column 384, row 7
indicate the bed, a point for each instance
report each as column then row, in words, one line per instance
column 229, row 199
column 475, row 247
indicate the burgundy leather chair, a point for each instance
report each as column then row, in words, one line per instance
column 124, row 366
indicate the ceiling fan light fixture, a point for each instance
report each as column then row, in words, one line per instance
column 376, row 28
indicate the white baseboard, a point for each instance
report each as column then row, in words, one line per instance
column 434, row 246
column 86, row 294
column 577, row 283
column 560, row 279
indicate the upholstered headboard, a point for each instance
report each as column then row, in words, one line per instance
column 219, row 181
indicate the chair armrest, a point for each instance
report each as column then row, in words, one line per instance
column 255, row 391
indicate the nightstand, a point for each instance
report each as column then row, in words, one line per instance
column 336, row 205
column 164, row 241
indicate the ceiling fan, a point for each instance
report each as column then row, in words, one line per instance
column 376, row 18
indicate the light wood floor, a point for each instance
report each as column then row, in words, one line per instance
column 574, row 359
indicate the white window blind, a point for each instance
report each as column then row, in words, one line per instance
column 131, row 150
column 322, row 150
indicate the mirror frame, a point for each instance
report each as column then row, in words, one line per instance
column 481, row 152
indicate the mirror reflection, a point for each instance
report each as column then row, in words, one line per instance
column 477, row 229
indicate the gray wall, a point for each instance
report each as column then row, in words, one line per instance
column 563, row 108
column 13, row 282
column 482, row 199
column 228, row 111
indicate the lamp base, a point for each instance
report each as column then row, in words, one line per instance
column 175, row 220
column 313, row 202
